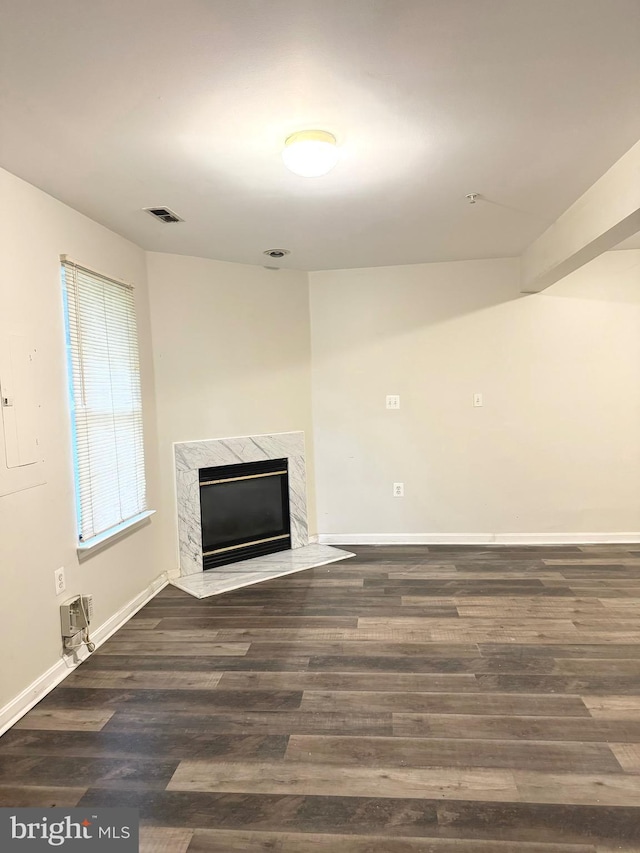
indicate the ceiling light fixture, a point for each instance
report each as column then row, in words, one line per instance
column 276, row 253
column 310, row 153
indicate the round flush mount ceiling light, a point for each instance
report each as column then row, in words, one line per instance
column 310, row 153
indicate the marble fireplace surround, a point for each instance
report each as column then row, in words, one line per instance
column 190, row 456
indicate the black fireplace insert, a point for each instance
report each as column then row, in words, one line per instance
column 244, row 511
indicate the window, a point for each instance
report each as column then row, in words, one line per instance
column 104, row 380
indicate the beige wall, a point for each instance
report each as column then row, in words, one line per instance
column 232, row 357
column 37, row 525
column 554, row 449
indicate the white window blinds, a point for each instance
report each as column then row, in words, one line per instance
column 106, row 403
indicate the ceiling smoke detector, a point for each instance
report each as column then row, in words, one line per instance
column 163, row 214
column 276, row 253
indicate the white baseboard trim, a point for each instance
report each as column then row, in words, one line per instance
column 314, row 540
column 478, row 538
column 31, row 695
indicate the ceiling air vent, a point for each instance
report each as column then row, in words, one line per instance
column 164, row 214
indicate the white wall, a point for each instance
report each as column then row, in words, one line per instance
column 555, row 448
column 231, row 346
column 37, row 525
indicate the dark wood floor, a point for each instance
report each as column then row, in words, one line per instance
column 450, row 700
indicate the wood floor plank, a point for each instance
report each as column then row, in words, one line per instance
column 441, row 703
column 322, row 779
column 146, row 680
column 514, row 664
column 520, row 601
column 567, row 684
column 252, row 722
column 622, row 623
column 425, row 634
column 17, row 796
column 579, row 729
column 108, row 772
column 617, row 848
column 541, row 636
column 595, row 649
column 160, row 636
column 391, row 681
column 206, row 663
column 400, row 658
column 595, row 666
column 196, row 609
column 345, row 608
column 196, row 701
column 429, row 594
column 593, row 561
column 365, row 649
column 239, row 841
column 580, row 789
column 541, row 822
column 138, row 743
column 441, row 752
column 324, row 583
column 619, row 604
column 70, row 719
column 613, row 707
column 464, row 623
column 174, row 647
column 179, row 628
column 160, row 839
column 530, row 611
column 457, row 574
column 142, row 623
column 628, row 755
column 300, row 597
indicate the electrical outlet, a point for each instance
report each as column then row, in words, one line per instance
column 61, row 583
column 398, row 490
column 393, row 401
column 477, row 400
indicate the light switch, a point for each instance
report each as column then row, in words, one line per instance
column 393, row 401
column 477, row 400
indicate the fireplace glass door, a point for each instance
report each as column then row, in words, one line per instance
column 244, row 511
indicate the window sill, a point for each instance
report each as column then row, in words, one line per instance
column 109, row 536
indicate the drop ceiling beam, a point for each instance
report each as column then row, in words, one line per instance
column 607, row 213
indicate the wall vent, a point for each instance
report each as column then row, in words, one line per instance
column 164, row 214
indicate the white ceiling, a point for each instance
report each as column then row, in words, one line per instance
column 116, row 105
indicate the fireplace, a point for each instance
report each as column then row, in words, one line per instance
column 244, row 511
column 193, row 456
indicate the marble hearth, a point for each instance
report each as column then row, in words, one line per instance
column 189, row 457
column 258, row 570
